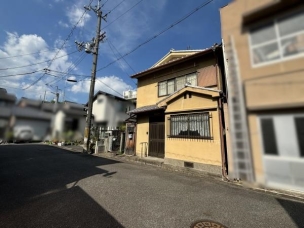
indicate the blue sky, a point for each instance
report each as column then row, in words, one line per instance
column 33, row 32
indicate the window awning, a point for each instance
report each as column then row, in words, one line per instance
column 269, row 9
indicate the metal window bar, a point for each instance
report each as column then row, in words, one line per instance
column 190, row 126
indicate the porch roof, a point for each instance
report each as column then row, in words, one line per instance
column 147, row 108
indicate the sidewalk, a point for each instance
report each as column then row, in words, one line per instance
column 187, row 171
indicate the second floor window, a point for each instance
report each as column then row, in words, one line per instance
column 279, row 39
column 170, row 86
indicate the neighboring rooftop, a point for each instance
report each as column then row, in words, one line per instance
column 106, row 94
column 7, row 96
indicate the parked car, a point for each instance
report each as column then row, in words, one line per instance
column 23, row 134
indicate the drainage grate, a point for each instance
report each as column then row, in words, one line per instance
column 207, row 224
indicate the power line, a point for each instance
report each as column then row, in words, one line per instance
column 104, row 3
column 122, row 14
column 33, row 64
column 71, row 67
column 65, row 73
column 13, row 75
column 33, row 53
column 115, row 7
column 69, row 36
column 108, row 86
column 110, row 45
column 12, row 87
column 158, row 34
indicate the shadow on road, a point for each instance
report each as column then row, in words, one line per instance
column 39, row 188
column 294, row 209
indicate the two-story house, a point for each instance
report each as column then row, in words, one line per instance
column 110, row 111
column 180, row 110
column 264, row 48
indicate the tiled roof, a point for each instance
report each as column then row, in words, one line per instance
column 147, row 108
column 30, row 113
column 176, row 61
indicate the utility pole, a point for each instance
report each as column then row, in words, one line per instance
column 44, row 96
column 92, row 47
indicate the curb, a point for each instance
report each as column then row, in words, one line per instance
column 201, row 174
column 192, row 172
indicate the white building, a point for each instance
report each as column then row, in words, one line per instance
column 110, row 111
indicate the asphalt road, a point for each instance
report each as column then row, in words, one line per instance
column 44, row 186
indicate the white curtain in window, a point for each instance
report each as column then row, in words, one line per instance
column 190, row 125
column 162, row 89
column 180, row 82
column 192, row 79
column 179, row 125
column 170, row 86
column 199, row 125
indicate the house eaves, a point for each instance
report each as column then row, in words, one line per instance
column 176, row 62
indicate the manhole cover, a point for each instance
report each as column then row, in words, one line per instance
column 207, row 224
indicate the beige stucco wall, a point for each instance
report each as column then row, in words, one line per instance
column 256, row 144
column 280, row 91
column 196, row 102
column 141, row 134
column 194, row 150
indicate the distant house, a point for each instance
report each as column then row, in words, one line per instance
column 69, row 118
column 7, row 101
column 264, row 48
column 59, row 119
column 110, row 111
column 31, row 118
column 181, row 110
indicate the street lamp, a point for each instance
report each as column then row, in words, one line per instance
column 72, row 80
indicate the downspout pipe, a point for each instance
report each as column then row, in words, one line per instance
column 222, row 137
column 221, row 118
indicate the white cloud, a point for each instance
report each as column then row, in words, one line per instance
column 62, row 24
column 116, row 84
column 30, row 49
column 74, row 14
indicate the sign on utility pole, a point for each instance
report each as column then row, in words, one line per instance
column 92, row 47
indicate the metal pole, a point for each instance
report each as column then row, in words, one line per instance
column 87, row 131
column 44, row 95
